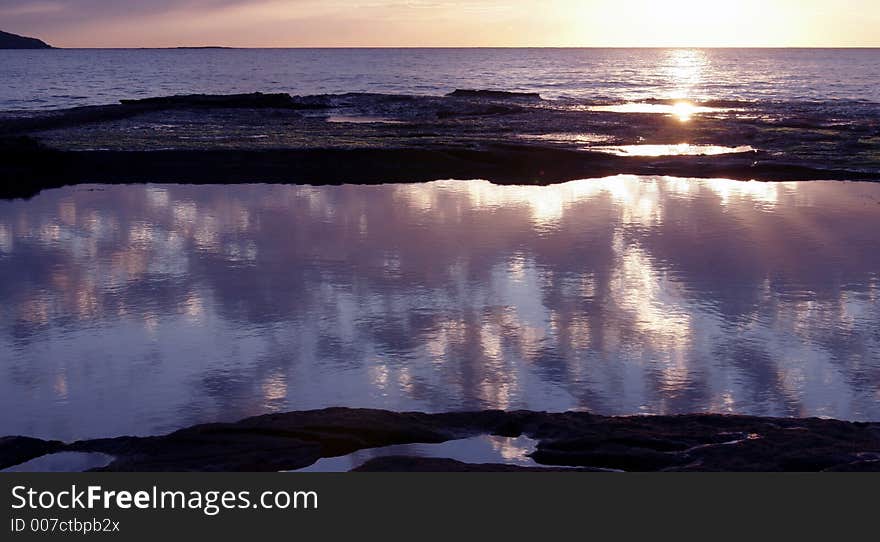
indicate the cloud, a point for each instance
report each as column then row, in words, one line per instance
column 66, row 19
column 100, row 23
column 55, row 13
column 78, row 11
column 83, row 8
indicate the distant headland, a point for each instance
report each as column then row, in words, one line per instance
column 14, row 41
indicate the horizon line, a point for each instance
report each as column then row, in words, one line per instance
column 465, row 47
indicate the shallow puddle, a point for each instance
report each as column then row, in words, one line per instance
column 684, row 111
column 64, row 462
column 680, row 149
column 475, row 450
column 361, row 120
column 562, row 137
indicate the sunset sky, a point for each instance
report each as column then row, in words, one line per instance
column 341, row 23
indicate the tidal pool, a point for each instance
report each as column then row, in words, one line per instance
column 63, row 462
column 474, row 450
column 140, row 309
column 679, row 149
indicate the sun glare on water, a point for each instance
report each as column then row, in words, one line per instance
column 683, row 111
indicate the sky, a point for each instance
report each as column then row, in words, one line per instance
column 446, row 23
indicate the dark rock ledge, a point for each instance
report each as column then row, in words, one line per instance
column 15, row 450
column 27, row 167
column 696, row 442
column 503, row 137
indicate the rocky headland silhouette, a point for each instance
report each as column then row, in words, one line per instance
column 14, row 41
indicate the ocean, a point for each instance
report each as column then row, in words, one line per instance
column 62, row 78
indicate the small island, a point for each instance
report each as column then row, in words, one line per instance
column 14, row 41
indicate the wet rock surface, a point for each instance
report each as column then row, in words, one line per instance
column 288, row 441
column 500, row 136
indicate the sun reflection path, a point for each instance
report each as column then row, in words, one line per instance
column 682, row 110
column 685, row 68
column 684, row 71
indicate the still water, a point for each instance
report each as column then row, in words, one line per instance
column 491, row 449
column 139, row 309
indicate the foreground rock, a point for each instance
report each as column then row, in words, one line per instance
column 15, row 450
column 505, row 137
column 698, row 442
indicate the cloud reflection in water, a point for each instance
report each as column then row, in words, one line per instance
column 140, row 309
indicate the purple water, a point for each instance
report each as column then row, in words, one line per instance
column 145, row 308
column 50, row 79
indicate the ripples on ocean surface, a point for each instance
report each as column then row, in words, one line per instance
column 49, row 79
column 143, row 308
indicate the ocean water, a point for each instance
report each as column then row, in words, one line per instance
column 51, row 79
column 141, row 309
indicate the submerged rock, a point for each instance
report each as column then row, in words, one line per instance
column 480, row 109
column 493, row 94
column 254, row 100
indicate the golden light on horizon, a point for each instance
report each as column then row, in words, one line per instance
column 446, row 23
